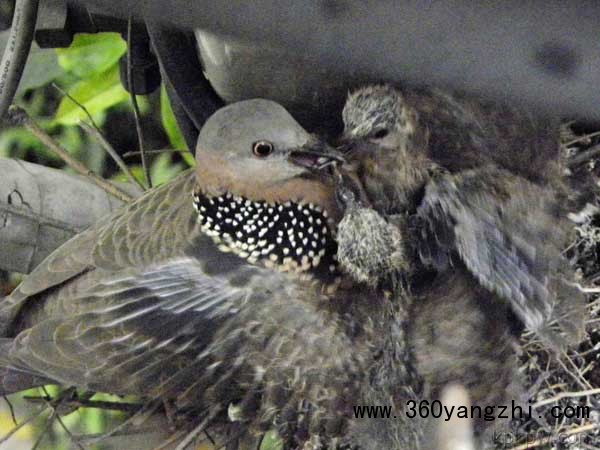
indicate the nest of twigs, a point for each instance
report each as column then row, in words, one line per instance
column 565, row 392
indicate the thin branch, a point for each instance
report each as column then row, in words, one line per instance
column 60, row 421
column 562, row 395
column 77, row 103
column 148, row 152
column 232, row 440
column 590, row 290
column 18, row 116
column 212, row 441
column 51, row 404
column 585, row 137
column 584, row 156
column 78, row 402
column 45, row 429
column 259, row 443
column 99, row 437
column 114, row 406
column 94, row 131
column 136, row 108
column 71, row 437
column 577, row 377
column 11, row 409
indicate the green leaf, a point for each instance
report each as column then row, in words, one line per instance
column 96, row 94
column 92, row 54
column 162, row 170
column 172, row 128
column 137, row 172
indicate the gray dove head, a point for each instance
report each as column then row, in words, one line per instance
column 258, row 140
column 259, row 185
column 255, row 149
column 378, row 114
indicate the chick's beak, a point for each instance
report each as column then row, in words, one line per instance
column 316, row 159
column 353, row 147
column 344, row 144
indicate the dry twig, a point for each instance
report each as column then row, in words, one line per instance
column 18, row 116
column 94, row 131
column 85, row 403
column 149, row 152
column 49, row 422
column 11, row 409
column 582, row 138
column 60, row 421
column 562, row 395
column 584, row 156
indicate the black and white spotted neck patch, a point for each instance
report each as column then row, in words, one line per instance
column 288, row 236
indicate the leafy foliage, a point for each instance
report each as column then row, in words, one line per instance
column 169, row 122
column 92, row 54
column 97, row 93
column 170, row 125
column 88, row 71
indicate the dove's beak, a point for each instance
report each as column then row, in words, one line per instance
column 316, row 159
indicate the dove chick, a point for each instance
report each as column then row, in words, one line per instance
column 370, row 249
column 480, row 222
column 476, row 184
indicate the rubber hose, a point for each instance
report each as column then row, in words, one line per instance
column 16, row 51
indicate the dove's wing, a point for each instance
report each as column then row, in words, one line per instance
column 173, row 331
column 510, row 234
column 156, row 226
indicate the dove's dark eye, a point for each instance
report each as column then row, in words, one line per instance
column 380, row 133
column 262, row 148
